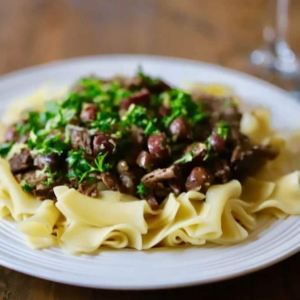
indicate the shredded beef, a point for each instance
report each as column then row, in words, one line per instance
column 21, row 162
column 80, row 138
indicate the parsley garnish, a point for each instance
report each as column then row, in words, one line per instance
column 5, row 148
column 182, row 104
column 47, row 144
column 137, row 115
column 26, row 187
column 141, row 189
column 105, row 121
column 222, row 130
column 80, row 168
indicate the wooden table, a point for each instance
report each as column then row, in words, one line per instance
column 217, row 31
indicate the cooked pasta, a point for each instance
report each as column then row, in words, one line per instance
column 222, row 213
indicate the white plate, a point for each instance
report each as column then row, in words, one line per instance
column 160, row 268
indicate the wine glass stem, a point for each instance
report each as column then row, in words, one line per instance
column 282, row 19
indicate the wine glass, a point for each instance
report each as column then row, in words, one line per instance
column 276, row 54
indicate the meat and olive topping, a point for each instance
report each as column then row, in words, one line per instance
column 139, row 136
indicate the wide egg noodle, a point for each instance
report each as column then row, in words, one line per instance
column 285, row 196
column 288, row 160
column 185, row 216
column 220, row 222
column 19, row 203
column 42, row 222
column 41, row 242
column 101, row 213
column 256, row 125
column 81, row 238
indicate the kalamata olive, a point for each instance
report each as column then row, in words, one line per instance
column 217, row 142
column 122, row 167
column 127, row 182
column 180, row 129
column 158, row 146
column 103, row 143
column 145, row 160
column 139, row 98
column 164, row 111
column 199, row 179
column 11, row 134
column 89, row 112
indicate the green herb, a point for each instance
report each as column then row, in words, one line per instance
column 182, row 104
column 187, row 157
column 51, row 176
column 190, row 155
column 151, row 127
column 47, row 144
column 141, row 189
column 26, row 187
column 80, row 168
column 222, row 130
column 52, row 106
column 100, row 165
column 5, row 148
column 137, row 115
column 105, row 121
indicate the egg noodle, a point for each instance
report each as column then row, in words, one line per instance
column 226, row 214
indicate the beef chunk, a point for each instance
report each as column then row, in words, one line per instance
column 80, row 138
column 231, row 115
column 161, row 175
column 38, row 183
column 139, row 98
column 221, row 171
column 52, row 160
column 247, row 159
column 138, row 82
column 111, row 182
column 88, row 188
column 21, row 162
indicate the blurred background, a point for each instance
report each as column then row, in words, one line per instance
column 215, row 31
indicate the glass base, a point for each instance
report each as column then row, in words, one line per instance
column 288, row 66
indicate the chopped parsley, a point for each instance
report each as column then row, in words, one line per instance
column 5, row 148
column 26, row 187
column 222, row 130
column 181, row 104
column 141, row 189
column 137, row 115
column 80, row 167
